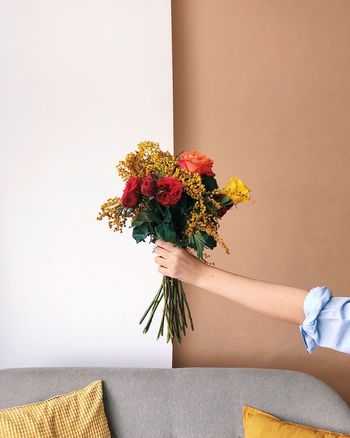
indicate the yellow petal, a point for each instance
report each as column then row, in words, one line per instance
column 237, row 190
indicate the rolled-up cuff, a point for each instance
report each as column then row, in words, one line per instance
column 315, row 301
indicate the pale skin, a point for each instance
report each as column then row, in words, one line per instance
column 273, row 300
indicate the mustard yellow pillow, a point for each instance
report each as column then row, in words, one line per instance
column 259, row 424
column 77, row 414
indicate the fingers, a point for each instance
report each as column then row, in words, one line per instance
column 161, row 252
column 167, row 258
column 165, row 245
column 163, row 271
column 160, row 261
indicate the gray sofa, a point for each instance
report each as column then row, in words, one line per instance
column 185, row 403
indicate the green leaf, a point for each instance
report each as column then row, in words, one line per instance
column 180, row 208
column 141, row 218
column 209, row 241
column 200, row 241
column 209, row 183
column 196, row 244
column 165, row 232
column 226, row 201
column 154, row 216
column 140, row 232
column 147, row 216
column 167, row 216
column 154, row 204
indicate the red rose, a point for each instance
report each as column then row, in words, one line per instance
column 131, row 193
column 196, row 162
column 149, row 186
column 170, row 191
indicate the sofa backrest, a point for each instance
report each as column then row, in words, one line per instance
column 185, row 403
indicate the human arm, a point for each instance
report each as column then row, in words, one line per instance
column 323, row 320
column 274, row 300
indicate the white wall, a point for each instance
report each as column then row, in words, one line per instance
column 81, row 82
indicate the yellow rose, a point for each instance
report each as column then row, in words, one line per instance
column 237, row 190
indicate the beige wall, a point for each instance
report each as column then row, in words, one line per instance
column 264, row 88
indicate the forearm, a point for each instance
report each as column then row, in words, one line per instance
column 277, row 301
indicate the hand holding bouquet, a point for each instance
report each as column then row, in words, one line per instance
column 175, row 199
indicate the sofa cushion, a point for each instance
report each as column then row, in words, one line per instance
column 77, row 414
column 259, row 424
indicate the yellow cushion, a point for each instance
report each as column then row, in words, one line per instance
column 258, row 424
column 77, row 414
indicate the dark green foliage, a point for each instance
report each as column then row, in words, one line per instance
column 209, row 183
column 165, row 232
column 140, row 232
column 201, row 241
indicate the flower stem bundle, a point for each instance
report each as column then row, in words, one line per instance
column 175, row 310
column 175, row 199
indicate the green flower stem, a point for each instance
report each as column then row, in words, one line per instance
column 187, row 306
column 161, row 327
column 181, row 311
column 172, row 313
column 152, row 304
column 176, row 311
column 145, row 330
column 182, row 308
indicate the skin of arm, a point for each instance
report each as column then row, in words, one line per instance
column 273, row 300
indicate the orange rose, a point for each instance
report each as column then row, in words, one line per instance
column 196, row 162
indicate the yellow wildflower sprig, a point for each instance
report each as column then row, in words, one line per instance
column 192, row 183
column 116, row 214
column 147, row 159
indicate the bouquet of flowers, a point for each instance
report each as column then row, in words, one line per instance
column 175, row 199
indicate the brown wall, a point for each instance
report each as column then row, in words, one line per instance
column 264, row 88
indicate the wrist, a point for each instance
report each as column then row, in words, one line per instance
column 200, row 274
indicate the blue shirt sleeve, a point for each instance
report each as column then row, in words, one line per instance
column 327, row 321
